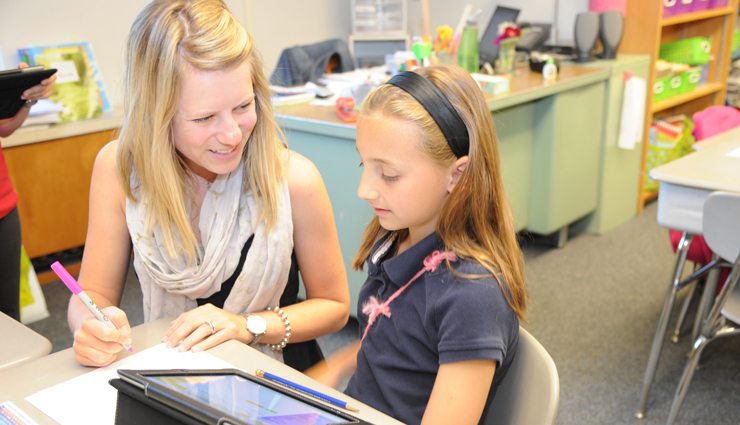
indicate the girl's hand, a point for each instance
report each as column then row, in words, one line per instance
column 205, row 327
column 95, row 344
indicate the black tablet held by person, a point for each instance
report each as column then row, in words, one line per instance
column 13, row 82
column 220, row 396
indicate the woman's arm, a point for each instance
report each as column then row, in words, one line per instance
column 104, row 266
column 460, row 392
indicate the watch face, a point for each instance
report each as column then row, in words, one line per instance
column 256, row 325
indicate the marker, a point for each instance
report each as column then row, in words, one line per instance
column 73, row 286
column 298, row 387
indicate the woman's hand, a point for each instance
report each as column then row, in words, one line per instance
column 40, row 91
column 95, row 344
column 205, row 327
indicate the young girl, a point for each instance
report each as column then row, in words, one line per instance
column 439, row 313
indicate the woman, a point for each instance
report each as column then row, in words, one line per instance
column 220, row 214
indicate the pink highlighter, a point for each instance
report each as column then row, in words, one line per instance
column 73, row 286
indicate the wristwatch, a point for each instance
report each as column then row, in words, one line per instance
column 257, row 326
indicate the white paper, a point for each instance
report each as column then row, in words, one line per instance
column 89, row 399
column 633, row 113
column 735, row 153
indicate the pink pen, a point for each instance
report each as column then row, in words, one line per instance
column 73, row 286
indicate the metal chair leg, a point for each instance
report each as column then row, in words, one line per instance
column 682, row 313
column 657, row 345
column 707, row 298
column 688, row 374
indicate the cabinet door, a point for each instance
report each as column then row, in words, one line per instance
column 53, row 183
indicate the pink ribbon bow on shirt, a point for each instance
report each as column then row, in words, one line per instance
column 374, row 308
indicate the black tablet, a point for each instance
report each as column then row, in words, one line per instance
column 230, row 396
column 13, row 82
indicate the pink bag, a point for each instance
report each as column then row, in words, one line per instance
column 714, row 120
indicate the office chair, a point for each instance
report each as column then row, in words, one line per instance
column 721, row 225
column 530, row 392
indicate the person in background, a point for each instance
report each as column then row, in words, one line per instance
column 439, row 312
column 10, row 226
column 220, row 215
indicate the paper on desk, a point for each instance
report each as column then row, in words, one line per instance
column 89, row 399
column 633, row 112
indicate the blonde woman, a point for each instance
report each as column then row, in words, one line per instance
column 221, row 216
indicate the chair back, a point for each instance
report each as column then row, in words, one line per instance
column 530, row 392
column 721, row 226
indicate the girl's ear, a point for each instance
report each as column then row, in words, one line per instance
column 457, row 170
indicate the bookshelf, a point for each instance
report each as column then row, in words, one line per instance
column 644, row 31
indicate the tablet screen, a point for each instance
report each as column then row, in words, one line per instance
column 246, row 400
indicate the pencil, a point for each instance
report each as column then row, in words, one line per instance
column 298, row 387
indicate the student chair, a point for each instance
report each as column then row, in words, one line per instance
column 721, row 225
column 530, row 392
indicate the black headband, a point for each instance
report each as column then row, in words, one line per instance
column 438, row 106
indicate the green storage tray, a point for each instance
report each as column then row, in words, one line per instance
column 692, row 51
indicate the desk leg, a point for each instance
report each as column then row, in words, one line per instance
column 681, row 253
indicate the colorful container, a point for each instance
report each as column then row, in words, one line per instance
column 692, row 51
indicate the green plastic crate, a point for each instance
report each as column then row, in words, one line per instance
column 692, row 51
column 690, row 79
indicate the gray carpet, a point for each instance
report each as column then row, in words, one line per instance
column 594, row 306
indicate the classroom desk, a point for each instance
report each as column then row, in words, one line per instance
column 21, row 344
column 684, row 186
column 28, row 378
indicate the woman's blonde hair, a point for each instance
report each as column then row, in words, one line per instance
column 167, row 36
column 476, row 220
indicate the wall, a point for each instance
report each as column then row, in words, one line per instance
column 275, row 24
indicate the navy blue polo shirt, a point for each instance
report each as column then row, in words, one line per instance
column 440, row 318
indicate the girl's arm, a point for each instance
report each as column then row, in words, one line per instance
column 104, row 266
column 332, row 371
column 316, row 245
column 460, row 392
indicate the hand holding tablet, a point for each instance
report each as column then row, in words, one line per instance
column 14, row 82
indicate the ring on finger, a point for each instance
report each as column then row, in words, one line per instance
column 212, row 326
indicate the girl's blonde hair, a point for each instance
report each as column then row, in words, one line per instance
column 166, row 37
column 476, row 220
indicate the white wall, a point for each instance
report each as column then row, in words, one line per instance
column 560, row 12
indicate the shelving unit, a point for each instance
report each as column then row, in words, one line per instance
column 644, row 31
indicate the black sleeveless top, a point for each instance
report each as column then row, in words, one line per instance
column 300, row 355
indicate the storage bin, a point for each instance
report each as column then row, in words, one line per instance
column 668, row 141
column 692, row 51
column 700, row 5
column 717, row 3
column 690, row 79
column 669, row 7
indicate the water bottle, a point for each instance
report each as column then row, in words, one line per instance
column 467, row 50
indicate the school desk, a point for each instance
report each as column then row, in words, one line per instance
column 684, row 185
column 30, row 377
column 21, row 344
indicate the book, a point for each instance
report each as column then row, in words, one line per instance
column 79, row 87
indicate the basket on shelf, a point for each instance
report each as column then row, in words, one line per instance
column 692, row 51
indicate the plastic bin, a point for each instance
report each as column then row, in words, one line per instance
column 690, row 79
column 664, row 147
column 692, row 51
column 700, row 5
column 670, row 7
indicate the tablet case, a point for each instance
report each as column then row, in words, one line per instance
column 12, row 85
column 134, row 408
